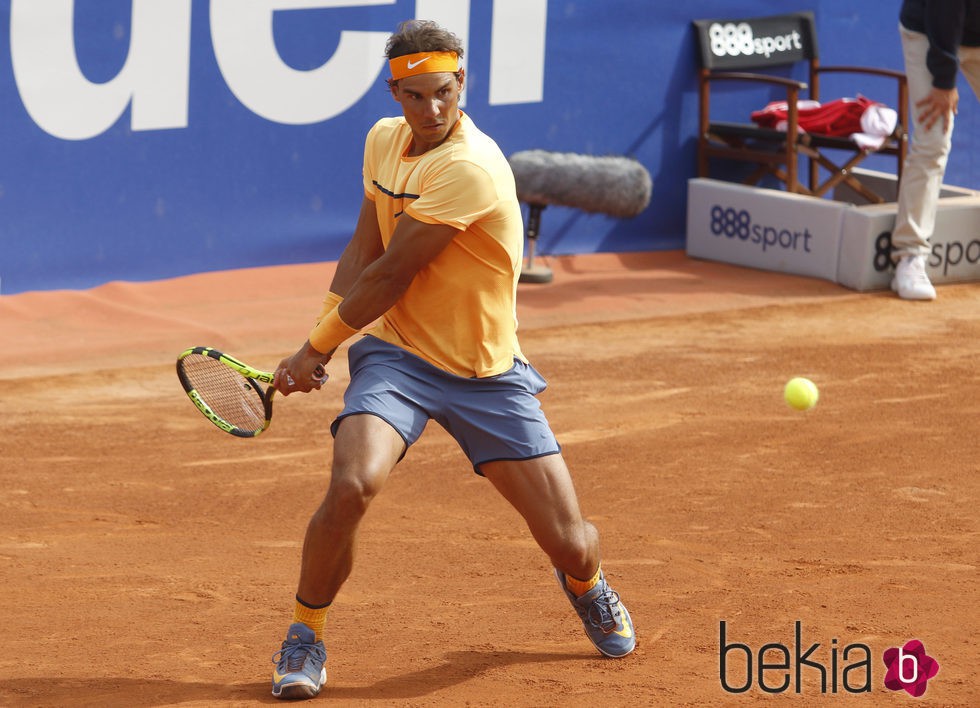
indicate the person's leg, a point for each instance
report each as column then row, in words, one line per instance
column 366, row 449
column 541, row 490
column 925, row 164
column 499, row 424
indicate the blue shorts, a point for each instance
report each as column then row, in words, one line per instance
column 493, row 418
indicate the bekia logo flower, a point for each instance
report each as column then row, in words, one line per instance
column 909, row 668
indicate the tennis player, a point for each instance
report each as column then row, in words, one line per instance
column 434, row 259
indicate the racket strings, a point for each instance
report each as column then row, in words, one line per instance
column 233, row 398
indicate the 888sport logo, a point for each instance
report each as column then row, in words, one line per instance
column 942, row 257
column 727, row 222
column 731, row 39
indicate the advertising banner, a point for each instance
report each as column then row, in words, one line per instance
column 145, row 139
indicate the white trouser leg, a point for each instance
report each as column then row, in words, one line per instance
column 925, row 164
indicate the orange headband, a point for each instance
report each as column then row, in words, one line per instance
column 423, row 63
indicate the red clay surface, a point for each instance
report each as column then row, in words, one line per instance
column 148, row 559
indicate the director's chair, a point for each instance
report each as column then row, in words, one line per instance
column 731, row 50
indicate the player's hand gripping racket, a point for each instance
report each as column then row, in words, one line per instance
column 228, row 391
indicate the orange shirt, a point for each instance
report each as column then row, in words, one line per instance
column 459, row 313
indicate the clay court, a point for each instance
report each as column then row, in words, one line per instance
column 148, row 559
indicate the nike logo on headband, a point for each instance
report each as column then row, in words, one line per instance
column 412, row 65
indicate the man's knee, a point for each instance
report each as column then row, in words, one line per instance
column 352, row 488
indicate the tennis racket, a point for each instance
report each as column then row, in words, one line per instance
column 227, row 391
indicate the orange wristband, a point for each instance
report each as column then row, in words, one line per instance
column 330, row 332
column 330, row 302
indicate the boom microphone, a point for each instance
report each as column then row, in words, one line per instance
column 613, row 185
column 617, row 186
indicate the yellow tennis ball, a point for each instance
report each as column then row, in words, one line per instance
column 801, row 393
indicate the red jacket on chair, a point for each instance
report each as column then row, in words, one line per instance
column 841, row 117
column 864, row 121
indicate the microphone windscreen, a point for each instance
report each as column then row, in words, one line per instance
column 614, row 185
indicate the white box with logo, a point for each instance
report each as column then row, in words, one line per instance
column 763, row 228
column 865, row 261
column 842, row 240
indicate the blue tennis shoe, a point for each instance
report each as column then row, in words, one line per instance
column 606, row 621
column 300, row 671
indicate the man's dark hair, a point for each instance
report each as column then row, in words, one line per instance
column 422, row 36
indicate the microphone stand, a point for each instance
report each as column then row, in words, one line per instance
column 532, row 273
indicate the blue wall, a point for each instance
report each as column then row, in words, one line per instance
column 197, row 152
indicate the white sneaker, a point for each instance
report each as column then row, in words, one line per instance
column 911, row 281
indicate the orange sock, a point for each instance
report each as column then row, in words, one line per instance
column 313, row 617
column 580, row 587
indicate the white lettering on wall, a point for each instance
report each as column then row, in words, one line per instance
column 241, row 31
column 154, row 81
column 517, row 51
column 64, row 103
